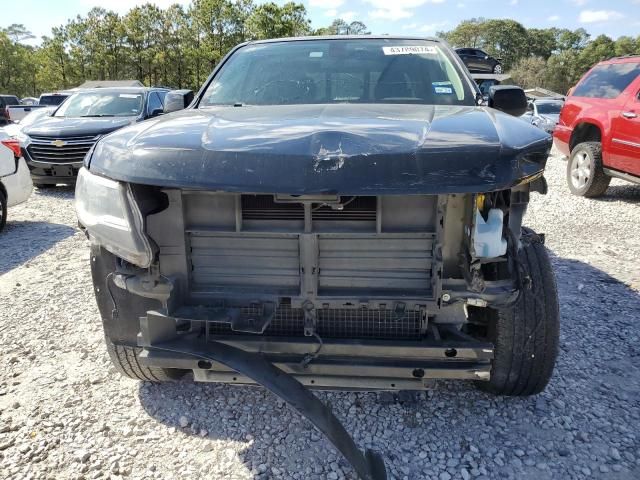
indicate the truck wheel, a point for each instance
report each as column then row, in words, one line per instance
column 525, row 335
column 584, row 170
column 3, row 210
column 125, row 359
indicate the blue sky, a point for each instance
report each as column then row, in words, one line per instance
column 411, row 17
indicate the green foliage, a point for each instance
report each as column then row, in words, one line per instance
column 530, row 72
column 270, row 20
column 551, row 58
column 340, row 27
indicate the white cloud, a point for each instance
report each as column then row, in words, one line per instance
column 331, row 13
column 396, row 9
column 513, row 2
column 428, row 28
column 553, row 18
column 432, row 28
column 594, row 16
column 579, row 3
column 328, row 4
column 349, row 16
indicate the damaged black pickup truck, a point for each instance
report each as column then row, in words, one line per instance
column 335, row 213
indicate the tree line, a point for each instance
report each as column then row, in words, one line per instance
column 179, row 46
column 552, row 58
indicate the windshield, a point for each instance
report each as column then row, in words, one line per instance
column 101, row 104
column 549, row 108
column 339, row 71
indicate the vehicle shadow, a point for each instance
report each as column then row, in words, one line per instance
column 624, row 193
column 20, row 241
column 595, row 384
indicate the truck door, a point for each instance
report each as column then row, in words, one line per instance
column 625, row 134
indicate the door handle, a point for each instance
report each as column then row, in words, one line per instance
column 629, row 114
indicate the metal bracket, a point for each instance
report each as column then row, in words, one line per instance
column 368, row 465
column 310, row 319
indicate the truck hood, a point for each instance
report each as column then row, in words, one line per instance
column 365, row 149
column 61, row 127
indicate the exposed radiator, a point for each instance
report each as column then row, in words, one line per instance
column 375, row 263
column 244, row 262
column 369, row 265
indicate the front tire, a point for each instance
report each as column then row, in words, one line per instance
column 126, row 360
column 584, row 171
column 525, row 335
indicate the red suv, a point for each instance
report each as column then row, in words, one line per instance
column 599, row 127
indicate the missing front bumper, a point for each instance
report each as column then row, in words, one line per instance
column 339, row 363
column 286, row 366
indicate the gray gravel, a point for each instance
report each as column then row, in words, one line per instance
column 65, row 413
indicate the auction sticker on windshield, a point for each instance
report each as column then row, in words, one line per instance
column 410, row 50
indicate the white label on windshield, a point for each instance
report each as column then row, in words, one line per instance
column 410, row 50
column 129, row 95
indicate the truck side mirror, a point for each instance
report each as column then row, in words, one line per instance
column 155, row 112
column 508, row 99
column 177, row 100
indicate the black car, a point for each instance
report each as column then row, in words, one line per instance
column 479, row 61
column 332, row 213
column 55, row 147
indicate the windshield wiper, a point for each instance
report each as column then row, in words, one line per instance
column 97, row 115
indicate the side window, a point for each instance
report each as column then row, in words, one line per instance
column 154, row 102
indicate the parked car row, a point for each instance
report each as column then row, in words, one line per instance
column 49, row 143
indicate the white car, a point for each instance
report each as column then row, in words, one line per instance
column 15, row 180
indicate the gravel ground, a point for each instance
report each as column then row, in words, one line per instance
column 65, row 413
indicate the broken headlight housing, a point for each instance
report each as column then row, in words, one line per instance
column 109, row 212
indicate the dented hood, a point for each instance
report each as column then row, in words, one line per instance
column 350, row 149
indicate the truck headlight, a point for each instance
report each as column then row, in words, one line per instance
column 109, row 212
